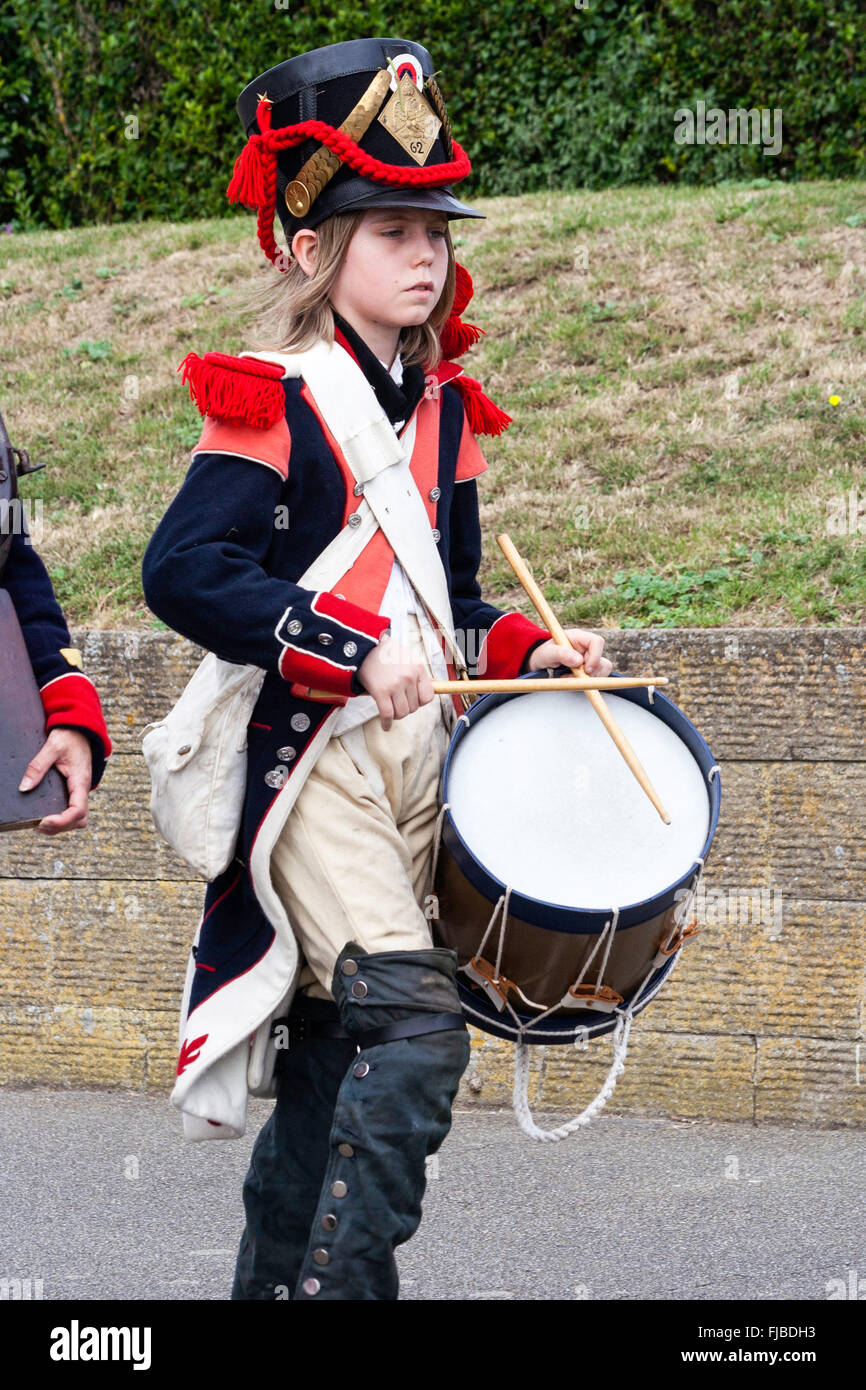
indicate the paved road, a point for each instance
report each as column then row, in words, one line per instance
column 102, row 1198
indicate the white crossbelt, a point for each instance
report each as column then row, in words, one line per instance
column 381, row 461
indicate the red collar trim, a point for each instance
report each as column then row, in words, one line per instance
column 447, row 371
column 341, row 338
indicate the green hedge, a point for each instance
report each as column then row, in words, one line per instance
column 549, row 95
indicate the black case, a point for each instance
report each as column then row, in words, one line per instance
column 22, row 731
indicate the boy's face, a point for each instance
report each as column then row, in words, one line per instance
column 394, row 269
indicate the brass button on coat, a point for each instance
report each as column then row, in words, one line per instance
column 338, row 1189
column 321, row 1257
column 346, row 1150
column 349, row 967
column 329, row 1221
column 360, row 1069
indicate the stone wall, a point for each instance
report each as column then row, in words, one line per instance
column 762, row 1019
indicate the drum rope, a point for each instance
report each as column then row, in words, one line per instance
column 612, row 924
column 533, row 1024
column 505, row 899
column 581, row 1030
column 521, row 1088
column 620, row 1037
column 635, row 999
column 684, row 907
column 502, row 903
column 533, row 1004
column 680, row 914
column 605, row 933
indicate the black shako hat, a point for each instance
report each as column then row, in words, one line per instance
column 354, row 125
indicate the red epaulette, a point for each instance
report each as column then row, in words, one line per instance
column 484, row 416
column 238, row 390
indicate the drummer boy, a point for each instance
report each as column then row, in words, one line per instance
column 378, row 1039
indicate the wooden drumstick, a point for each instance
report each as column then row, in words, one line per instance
column 519, row 687
column 548, row 617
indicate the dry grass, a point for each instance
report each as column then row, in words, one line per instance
column 667, row 355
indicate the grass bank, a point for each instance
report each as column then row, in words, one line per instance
column 668, row 354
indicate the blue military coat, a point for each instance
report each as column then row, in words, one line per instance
column 222, row 572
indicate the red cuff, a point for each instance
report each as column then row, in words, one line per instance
column 341, row 610
column 303, row 671
column 73, row 699
column 506, row 645
column 332, row 667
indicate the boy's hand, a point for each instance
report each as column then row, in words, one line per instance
column 398, row 684
column 586, row 650
column 69, row 751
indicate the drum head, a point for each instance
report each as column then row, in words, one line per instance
column 549, row 807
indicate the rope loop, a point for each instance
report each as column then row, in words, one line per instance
column 521, row 1088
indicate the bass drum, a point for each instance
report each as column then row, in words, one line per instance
column 560, row 888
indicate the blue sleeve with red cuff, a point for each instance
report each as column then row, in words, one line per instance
column 69, row 698
column 206, row 573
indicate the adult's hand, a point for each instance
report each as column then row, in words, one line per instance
column 68, row 751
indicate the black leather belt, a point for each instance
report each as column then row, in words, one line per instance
column 303, row 1029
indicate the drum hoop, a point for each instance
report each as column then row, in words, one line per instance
column 476, row 1006
column 581, row 921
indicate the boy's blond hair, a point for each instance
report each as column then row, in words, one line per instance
column 293, row 310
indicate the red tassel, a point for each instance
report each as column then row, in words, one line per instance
column 483, row 415
column 248, row 180
column 239, row 390
column 463, row 289
column 263, row 114
column 457, row 337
